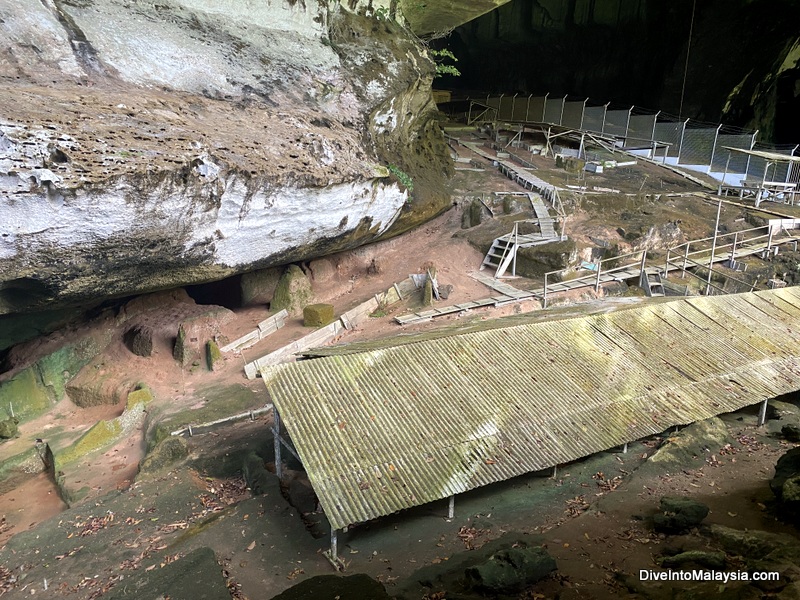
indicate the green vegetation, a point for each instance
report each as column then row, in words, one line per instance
column 402, row 177
column 439, row 56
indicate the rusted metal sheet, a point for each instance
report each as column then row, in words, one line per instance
column 387, row 429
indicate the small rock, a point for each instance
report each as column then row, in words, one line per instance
column 8, row 428
column 139, row 340
column 679, row 514
column 791, row 433
column 510, row 571
column 165, row 453
column 213, row 355
column 696, row 558
column 318, row 315
column 445, row 291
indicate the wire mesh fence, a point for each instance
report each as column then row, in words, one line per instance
column 703, row 146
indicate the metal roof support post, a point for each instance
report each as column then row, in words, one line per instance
column 334, row 545
column 528, row 108
column 555, row 472
column 561, row 117
column 513, row 104
column 605, row 112
column 713, row 248
column 625, row 448
column 713, row 149
column 276, row 436
column 762, row 413
column 451, row 507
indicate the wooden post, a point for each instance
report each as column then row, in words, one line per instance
column 276, row 435
column 625, row 448
column 451, row 507
column 725, row 174
column 762, row 414
column 666, row 264
column 334, row 545
column 555, row 471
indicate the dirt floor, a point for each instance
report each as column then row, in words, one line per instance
column 588, row 517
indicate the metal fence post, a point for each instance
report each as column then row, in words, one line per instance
column 528, row 109
column 752, row 145
column 544, row 300
column 561, row 117
column 680, row 142
column 605, row 111
column 583, row 113
column 791, row 164
column 713, row 149
column 628, row 123
column 544, row 107
column 653, row 135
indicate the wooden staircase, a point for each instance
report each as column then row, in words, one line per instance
column 651, row 283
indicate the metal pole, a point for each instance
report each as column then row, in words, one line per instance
column 666, row 265
column 334, row 545
column 762, row 414
column 725, row 174
column 713, row 248
column 544, row 300
column 625, row 448
column 713, row 149
column 544, row 107
column 642, row 276
column 451, row 508
column 769, row 241
column 733, row 250
column 555, row 471
column 597, row 282
column 276, row 435
column 561, row 117
column 680, row 142
column 605, row 112
column 685, row 261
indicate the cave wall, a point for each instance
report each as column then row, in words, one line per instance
column 634, row 52
column 147, row 146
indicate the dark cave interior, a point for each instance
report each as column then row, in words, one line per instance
column 634, row 52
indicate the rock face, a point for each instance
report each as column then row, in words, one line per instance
column 511, row 571
column 149, row 146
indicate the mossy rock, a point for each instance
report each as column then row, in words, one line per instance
column 690, row 446
column 331, row 587
column 24, row 396
column 142, row 395
column 17, row 468
column 167, row 452
column 318, row 315
column 258, row 287
column 9, row 428
column 100, row 435
column 293, row 292
column 213, row 355
column 182, row 352
column 538, row 260
column 196, row 576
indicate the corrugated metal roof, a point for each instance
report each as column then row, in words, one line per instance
column 389, row 429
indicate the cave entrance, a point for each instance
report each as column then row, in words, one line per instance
column 227, row 292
